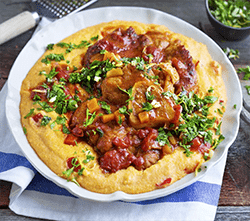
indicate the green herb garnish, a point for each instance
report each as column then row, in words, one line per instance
column 105, row 106
column 162, row 137
column 96, row 71
column 194, row 121
column 44, row 106
column 45, row 120
column 119, row 120
column 149, row 96
column 51, row 74
column 65, row 129
column 137, row 62
column 50, row 57
column 128, row 92
column 25, row 130
column 94, row 38
column 50, row 46
column 234, row 13
column 68, row 172
column 89, row 118
column 30, row 113
column 231, row 53
column 246, row 71
column 71, row 46
column 147, row 106
column 124, row 110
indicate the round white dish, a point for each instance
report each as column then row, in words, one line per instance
column 62, row 28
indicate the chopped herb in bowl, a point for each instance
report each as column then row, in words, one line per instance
column 230, row 18
column 234, row 13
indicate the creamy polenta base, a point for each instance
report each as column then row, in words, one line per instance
column 125, row 125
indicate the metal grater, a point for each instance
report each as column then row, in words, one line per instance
column 59, row 8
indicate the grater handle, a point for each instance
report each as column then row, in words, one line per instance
column 17, row 25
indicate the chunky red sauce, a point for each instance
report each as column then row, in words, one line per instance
column 37, row 117
column 73, row 163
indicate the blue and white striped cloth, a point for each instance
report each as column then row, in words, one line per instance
column 35, row 196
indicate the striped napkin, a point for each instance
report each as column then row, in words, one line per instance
column 34, row 196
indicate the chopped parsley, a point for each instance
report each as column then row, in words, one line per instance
column 211, row 90
column 65, row 129
column 149, row 96
column 87, row 77
column 162, row 137
column 50, row 46
column 147, row 106
column 191, row 102
column 137, row 62
column 119, row 120
column 234, row 13
column 94, row 38
column 36, row 98
column 89, row 157
column 51, row 74
column 30, row 113
column 59, row 120
column 231, row 53
column 71, row 46
column 128, row 92
column 194, row 121
column 105, row 106
column 89, row 118
column 220, row 111
column 124, row 110
column 52, row 56
column 68, row 172
column 75, row 164
column 246, row 71
column 218, row 129
column 25, row 130
column 103, row 51
column 45, row 120
column 61, row 104
column 44, row 106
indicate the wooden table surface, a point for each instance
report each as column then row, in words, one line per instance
column 234, row 202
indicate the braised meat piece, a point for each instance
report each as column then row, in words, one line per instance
column 126, row 43
column 149, row 107
column 182, row 61
column 112, row 86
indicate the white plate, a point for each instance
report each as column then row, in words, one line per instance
column 69, row 25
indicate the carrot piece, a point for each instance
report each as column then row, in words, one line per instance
column 108, row 117
column 143, row 117
column 119, row 117
column 93, row 105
